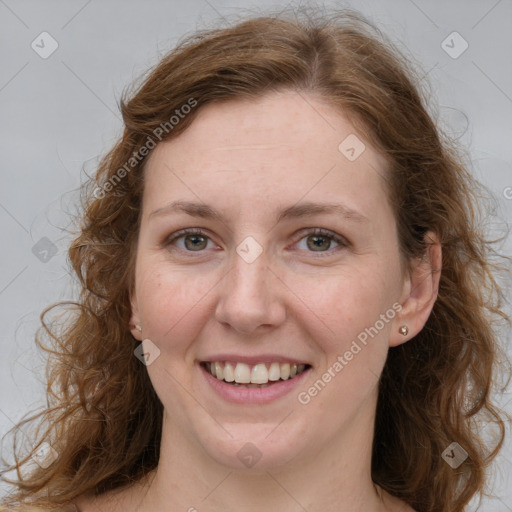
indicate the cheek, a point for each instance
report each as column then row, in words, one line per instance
column 357, row 307
column 345, row 303
column 171, row 302
column 354, row 342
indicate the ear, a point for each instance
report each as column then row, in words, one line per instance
column 135, row 319
column 419, row 292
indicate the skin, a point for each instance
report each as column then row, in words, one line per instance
column 250, row 159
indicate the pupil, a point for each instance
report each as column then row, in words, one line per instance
column 317, row 238
column 317, row 242
column 195, row 238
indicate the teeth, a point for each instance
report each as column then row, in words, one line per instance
column 242, row 373
column 274, row 372
column 219, row 372
column 259, row 374
column 229, row 373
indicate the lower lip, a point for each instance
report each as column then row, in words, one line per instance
column 242, row 395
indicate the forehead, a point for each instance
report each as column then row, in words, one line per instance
column 277, row 148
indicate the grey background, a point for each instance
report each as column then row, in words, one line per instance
column 59, row 115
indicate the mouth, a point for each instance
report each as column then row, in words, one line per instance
column 260, row 375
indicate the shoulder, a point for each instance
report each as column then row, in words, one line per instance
column 394, row 504
column 119, row 499
column 25, row 508
column 404, row 507
column 113, row 501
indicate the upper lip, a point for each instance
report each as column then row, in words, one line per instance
column 252, row 360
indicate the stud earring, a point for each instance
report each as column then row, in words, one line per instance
column 403, row 330
column 138, row 327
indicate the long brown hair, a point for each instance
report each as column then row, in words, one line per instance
column 103, row 417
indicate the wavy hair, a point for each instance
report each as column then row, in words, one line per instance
column 103, row 418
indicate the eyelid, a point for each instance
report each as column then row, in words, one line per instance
column 184, row 232
column 339, row 239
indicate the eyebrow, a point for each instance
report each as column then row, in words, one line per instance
column 296, row 211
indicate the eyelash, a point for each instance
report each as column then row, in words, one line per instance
column 343, row 243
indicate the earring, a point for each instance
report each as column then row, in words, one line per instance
column 138, row 327
column 403, row 330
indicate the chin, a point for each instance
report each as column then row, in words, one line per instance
column 256, row 448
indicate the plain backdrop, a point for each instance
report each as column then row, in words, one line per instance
column 64, row 65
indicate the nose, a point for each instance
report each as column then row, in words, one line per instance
column 251, row 296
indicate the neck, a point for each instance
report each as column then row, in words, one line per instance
column 336, row 477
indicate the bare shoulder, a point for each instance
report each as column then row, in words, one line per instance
column 90, row 503
column 394, row 504
column 118, row 500
column 121, row 500
column 68, row 508
column 401, row 506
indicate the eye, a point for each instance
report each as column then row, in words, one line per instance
column 320, row 241
column 195, row 240
column 317, row 240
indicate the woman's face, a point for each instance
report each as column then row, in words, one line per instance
column 258, row 286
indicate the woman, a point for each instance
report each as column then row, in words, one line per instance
column 286, row 303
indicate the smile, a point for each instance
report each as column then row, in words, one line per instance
column 257, row 375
